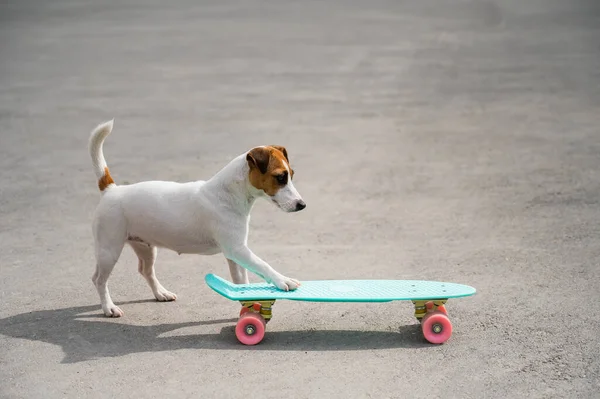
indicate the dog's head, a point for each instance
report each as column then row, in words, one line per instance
column 271, row 174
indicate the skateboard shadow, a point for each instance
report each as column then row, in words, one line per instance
column 86, row 337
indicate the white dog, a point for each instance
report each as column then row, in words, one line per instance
column 201, row 217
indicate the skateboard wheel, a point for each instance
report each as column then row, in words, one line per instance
column 437, row 328
column 250, row 329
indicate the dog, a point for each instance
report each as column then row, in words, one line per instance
column 199, row 217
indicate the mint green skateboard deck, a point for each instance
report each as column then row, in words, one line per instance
column 428, row 297
column 342, row 290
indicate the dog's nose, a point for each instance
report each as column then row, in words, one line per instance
column 300, row 205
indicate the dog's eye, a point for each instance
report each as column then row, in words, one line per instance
column 282, row 178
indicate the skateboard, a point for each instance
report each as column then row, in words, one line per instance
column 428, row 297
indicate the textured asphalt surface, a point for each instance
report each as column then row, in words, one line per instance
column 454, row 141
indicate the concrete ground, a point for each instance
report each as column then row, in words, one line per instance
column 454, row 141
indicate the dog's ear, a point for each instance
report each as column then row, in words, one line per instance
column 259, row 158
column 283, row 151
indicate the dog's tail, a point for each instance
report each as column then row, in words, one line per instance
column 95, row 146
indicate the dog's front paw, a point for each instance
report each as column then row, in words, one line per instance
column 286, row 283
column 162, row 295
column 112, row 311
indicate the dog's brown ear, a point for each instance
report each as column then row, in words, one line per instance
column 283, row 150
column 259, row 158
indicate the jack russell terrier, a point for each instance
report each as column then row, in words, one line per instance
column 200, row 217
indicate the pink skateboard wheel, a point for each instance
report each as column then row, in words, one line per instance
column 250, row 329
column 437, row 328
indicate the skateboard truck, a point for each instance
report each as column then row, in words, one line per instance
column 429, row 306
column 264, row 308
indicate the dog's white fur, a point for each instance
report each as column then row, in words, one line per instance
column 200, row 217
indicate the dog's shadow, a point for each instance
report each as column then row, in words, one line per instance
column 84, row 337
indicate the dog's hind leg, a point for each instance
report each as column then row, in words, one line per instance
column 107, row 255
column 109, row 238
column 239, row 275
column 147, row 256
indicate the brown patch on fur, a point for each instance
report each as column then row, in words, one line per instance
column 285, row 154
column 265, row 164
column 105, row 180
column 282, row 150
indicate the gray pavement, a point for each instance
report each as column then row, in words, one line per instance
column 452, row 140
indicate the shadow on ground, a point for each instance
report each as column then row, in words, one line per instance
column 89, row 336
